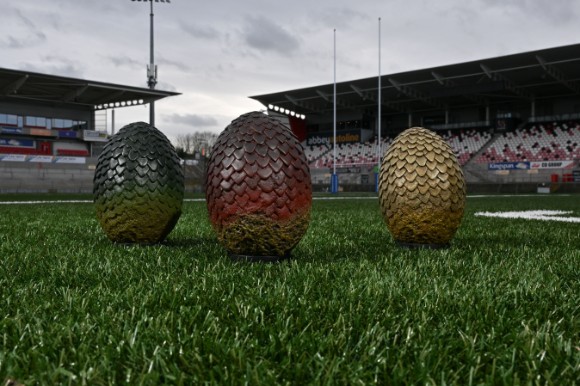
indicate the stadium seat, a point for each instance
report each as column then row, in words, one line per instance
column 536, row 142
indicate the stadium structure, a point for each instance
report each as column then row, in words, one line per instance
column 513, row 121
column 52, row 128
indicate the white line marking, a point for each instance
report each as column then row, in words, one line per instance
column 314, row 198
column 45, row 202
column 543, row 215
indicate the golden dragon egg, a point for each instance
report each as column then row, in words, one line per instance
column 421, row 189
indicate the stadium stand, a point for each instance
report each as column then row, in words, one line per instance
column 314, row 152
column 466, row 143
column 536, row 142
column 348, row 154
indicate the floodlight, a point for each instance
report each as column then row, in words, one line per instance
column 152, row 67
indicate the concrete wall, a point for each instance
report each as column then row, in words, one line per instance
column 24, row 177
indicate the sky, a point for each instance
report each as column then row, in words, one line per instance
column 218, row 53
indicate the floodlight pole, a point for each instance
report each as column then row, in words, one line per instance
column 334, row 177
column 379, row 116
column 151, row 70
column 152, row 67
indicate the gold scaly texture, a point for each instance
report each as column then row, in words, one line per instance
column 421, row 189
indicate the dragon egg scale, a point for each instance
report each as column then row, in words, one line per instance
column 421, row 189
column 138, row 185
column 258, row 189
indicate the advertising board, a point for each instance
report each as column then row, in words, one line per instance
column 552, row 164
column 19, row 143
column 95, row 136
column 342, row 136
column 508, row 166
column 13, row 157
column 11, row 130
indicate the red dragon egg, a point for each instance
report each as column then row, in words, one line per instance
column 258, row 189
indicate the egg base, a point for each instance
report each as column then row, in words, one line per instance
column 258, row 259
column 419, row 246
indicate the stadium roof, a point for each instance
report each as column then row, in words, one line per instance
column 16, row 85
column 534, row 75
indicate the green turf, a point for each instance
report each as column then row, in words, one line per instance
column 501, row 306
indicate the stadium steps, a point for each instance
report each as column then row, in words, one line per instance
column 472, row 161
column 321, row 155
column 476, row 173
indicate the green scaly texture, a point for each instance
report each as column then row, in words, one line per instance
column 138, row 186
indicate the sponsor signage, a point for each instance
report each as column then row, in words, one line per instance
column 26, row 143
column 13, row 157
column 95, row 136
column 508, row 166
column 530, row 165
column 327, row 137
column 40, row 158
column 11, row 130
column 70, row 160
column 41, row 132
column 576, row 175
column 551, row 165
column 67, row 134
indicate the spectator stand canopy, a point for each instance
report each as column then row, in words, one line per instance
column 25, row 87
column 525, row 83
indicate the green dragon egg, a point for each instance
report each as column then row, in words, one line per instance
column 138, row 186
column 421, row 189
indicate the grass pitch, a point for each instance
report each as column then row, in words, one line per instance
column 501, row 306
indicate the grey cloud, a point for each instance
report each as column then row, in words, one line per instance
column 200, row 32
column 166, row 87
column 55, row 66
column 262, row 34
column 549, row 11
column 33, row 36
column 27, row 22
column 341, row 18
column 194, row 120
column 125, row 61
column 30, row 40
column 172, row 63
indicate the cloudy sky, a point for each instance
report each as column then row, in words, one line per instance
column 218, row 53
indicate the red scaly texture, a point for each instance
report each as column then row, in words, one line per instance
column 257, row 166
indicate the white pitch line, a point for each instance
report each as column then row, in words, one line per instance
column 543, row 215
column 314, row 198
column 45, row 202
column 516, row 195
